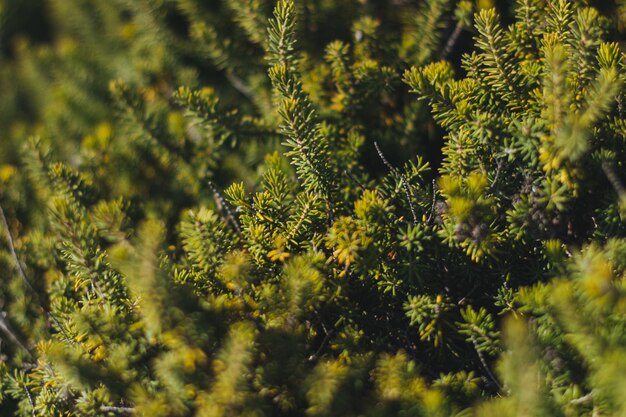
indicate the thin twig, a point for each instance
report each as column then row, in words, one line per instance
column 452, row 41
column 28, row 366
column 484, row 363
column 20, row 268
column 223, row 206
column 464, row 299
column 432, row 208
column 614, row 179
column 30, row 399
column 111, row 409
column 9, row 237
column 498, row 170
column 331, row 218
column 404, row 181
column 240, row 85
column 6, row 328
column 357, row 182
column 319, row 350
column 584, row 399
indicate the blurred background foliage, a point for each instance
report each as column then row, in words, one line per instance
column 59, row 56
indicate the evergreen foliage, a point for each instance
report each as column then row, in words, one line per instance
column 322, row 208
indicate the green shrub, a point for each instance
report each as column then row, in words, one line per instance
column 315, row 214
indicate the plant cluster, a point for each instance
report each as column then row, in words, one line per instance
column 321, row 208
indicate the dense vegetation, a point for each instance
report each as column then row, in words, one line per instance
column 322, row 208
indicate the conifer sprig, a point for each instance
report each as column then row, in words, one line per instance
column 309, row 150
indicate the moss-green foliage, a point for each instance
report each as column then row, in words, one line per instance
column 322, row 208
